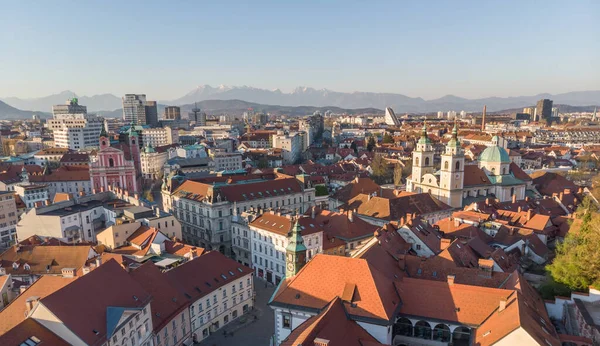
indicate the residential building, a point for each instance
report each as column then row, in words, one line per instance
column 70, row 221
column 171, row 320
column 8, row 218
column 205, row 206
column 290, row 145
column 160, row 136
column 224, row 161
column 73, row 180
column 73, row 128
column 241, row 236
column 50, row 156
column 219, row 290
column 32, row 194
column 27, row 263
column 152, row 162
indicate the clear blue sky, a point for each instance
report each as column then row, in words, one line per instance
column 417, row 48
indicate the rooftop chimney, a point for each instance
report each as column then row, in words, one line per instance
column 528, row 214
column 313, row 211
column 351, row 215
column 98, row 261
column 321, row 342
column 444, row 243
column 514, row 198
column 93, row 191
column 502, row 305
column 519, row 209
column 451, row 279
column 30, row 303
column 560, row 196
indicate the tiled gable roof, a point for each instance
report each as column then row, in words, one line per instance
column 49, row 259
column 66, row 304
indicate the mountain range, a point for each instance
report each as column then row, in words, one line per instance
column 305, row 96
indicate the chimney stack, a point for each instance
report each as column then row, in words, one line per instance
column 528, row 214
column 514, row 198
column 351, row 215
column 560, row 196
column 502, row 305
column 313, row 211
column 451, row 279
column 30, row 303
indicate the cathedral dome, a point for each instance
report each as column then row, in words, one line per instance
column 494, row 153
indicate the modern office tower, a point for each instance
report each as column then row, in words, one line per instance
column 73, row 128
column 138, row 110
column 555, row 112
column 544, row 109
column 483, row 118
column 440, row 114
column 134, row 108
column 172, row 113
column 197, row 116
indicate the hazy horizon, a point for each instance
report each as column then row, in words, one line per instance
column 469, row 49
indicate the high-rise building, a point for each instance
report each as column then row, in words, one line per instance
column 451, row 115
column 73, row 128
column 440, row 114
column 151, row 110
column 555, row 112
column 137, row 110
column 544, row 109
column 528, row 110
column 390, row 117
column 172, row 113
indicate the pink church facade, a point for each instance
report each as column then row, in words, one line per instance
column 112, row 167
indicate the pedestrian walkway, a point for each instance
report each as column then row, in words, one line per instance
column 254, row 328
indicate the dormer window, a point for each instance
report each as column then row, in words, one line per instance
column 27, row 267
column 15, row 265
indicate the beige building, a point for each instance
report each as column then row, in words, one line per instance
column 116, row 235
column 8, row 218
column 219, row 290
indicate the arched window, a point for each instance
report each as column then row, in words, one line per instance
column 461, row 336
column 111, row 162
column 504, row 170
column 441, row 332
column 133, row 141
column 446, row 165
column 457, row 165
column 426, row 161
column 493, row 170
column 423, row 330
column 417, row 161
column 103, row 143
column 403, row 327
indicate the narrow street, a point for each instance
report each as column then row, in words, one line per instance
column 253, row 329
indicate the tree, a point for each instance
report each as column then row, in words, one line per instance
column 387, row 138
column 354, row 147
column 321, row 190
column 577, row 262
column 263, row 163
column 148, row 196
column 398, row 174
column 380, row 169
column 371, row 143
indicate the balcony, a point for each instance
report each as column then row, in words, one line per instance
column 422, row 333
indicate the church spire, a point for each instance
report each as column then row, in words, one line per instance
column 424, row 138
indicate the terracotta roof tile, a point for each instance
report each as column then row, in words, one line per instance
column 31, row 328
column 66, row 303
column 14, row 313
column 49, row 259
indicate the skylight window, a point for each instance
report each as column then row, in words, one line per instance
column 224, row 277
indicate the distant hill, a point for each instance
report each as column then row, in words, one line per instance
column 320, row 98
column 93, row 103
column 9, row 112
column 238, row 107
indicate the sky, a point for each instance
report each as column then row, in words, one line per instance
column 417, row 48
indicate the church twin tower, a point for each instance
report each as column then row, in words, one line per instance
column 447, row 184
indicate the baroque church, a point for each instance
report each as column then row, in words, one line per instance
column 457, row 184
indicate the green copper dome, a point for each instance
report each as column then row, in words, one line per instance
column 494, row 154
column 424, row 138
column 149, row 149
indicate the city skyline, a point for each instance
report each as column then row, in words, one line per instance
column 410, row 49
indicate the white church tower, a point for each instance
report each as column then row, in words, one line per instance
column 422, row 161
column 452, row 172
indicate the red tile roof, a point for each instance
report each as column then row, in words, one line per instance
column 31, row 328
column 14, row 313
column 331, row 324
column 167, row 301
column 92, row 292
column 203, row 275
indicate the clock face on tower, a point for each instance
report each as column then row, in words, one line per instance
column 290, row 257
column 290, row 266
